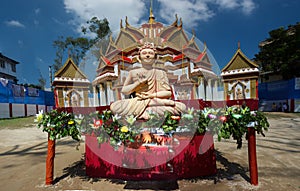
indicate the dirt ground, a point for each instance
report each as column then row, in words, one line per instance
column 23, row 153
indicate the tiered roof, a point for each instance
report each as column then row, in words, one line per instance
column 70, row 73
column 173, row 45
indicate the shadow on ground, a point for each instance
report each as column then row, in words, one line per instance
column 228, row 171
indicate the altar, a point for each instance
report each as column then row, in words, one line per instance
column 189, row 158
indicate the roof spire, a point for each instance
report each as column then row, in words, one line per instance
column 151, row 16
column 239, row 45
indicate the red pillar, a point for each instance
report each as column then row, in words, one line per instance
column 252, row 156
column 50, row 161
column 292, row 107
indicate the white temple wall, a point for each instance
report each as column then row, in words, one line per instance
column 110, row 94
column 102, row 95
column 209, row 90
column 201, row 89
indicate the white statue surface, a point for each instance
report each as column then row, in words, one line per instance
column 150, row 87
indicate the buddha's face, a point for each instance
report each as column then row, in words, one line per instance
column 147, row 56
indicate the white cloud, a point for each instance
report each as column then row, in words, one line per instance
column 20, row 43
column 36, row 22
column 248, row 6
column 14, row 23
column 113, row 10
column 191, row 11
column 37, row 11
column 227, row 4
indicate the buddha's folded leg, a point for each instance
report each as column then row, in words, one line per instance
column 161, row 102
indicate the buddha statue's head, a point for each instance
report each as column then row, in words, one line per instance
column 147, row 53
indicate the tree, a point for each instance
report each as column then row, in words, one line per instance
column 76, row 47
column 42, row 81
column 280, row 53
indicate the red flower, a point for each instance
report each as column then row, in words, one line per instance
column 98, row 123
column 223, row 118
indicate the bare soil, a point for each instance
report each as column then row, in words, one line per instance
column 23, row 154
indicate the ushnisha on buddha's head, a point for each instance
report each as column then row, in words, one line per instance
column 147, row 54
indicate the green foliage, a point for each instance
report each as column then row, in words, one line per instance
column 42, row 81
column 229, row 122
column 109, row 128
column 76, row 47
column 59, row 124
column 280, row 53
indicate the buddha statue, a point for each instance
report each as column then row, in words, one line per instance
column 150, row 89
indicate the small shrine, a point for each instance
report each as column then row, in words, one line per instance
column 71, row 86
column 240, row 77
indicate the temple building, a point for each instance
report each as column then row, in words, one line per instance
column 240, row 77
column 71, row 86
column 188, row 68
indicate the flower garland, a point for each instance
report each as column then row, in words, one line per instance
column 225, row 122
column 59, row 124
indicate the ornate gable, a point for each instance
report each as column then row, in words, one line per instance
column 70, row 70
column 239, row 61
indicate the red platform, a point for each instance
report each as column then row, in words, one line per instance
column 189, row 157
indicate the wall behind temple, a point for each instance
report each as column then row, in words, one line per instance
column 19, row 101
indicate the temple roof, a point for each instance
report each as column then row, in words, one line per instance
column 172, row 45
column 239, row 61
column 69, row 72
column 171, row 40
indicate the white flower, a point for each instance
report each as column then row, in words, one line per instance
column 39, row 117
column 190, row 111
column 116, row 117
column 187, row 116
column 130, row 119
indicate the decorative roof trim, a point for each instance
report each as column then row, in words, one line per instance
column 107, row 74
column 66, row 79
column 202, row 70
column 239, row 71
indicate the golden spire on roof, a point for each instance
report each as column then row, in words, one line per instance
column 151, row 16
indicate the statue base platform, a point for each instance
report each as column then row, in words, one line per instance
column 191, row 157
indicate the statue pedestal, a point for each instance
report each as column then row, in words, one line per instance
column 191, row 157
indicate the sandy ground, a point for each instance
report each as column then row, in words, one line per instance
column 23, row 153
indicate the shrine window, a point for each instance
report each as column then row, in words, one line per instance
column 2, row 64
column 13, row 67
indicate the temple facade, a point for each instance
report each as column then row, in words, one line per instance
column 240, row 78
column 71, row 86
column 188, row 68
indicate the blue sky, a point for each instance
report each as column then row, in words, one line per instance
column 28, row 28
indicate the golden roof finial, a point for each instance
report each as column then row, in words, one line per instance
column 176, row 21
column 121, row 24
column 180, row 24
column 205, row 47
column 151, row 16
column 126, row 21
column 239, row 45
